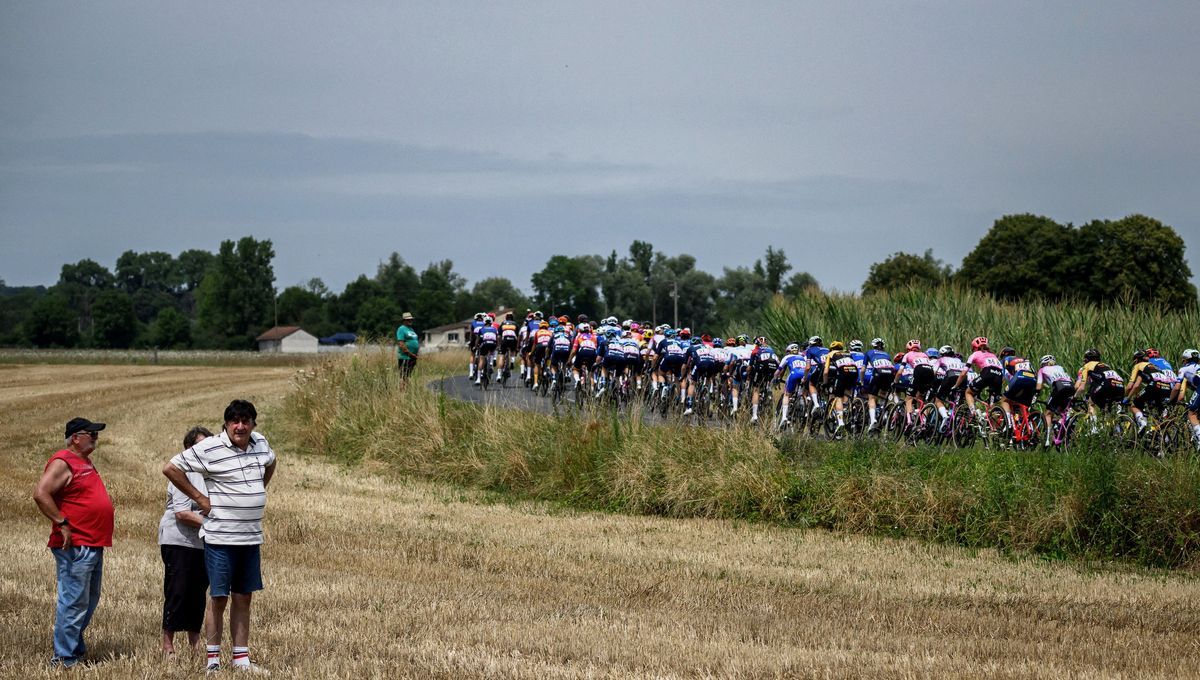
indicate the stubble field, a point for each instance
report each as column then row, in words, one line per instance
column 372, row 576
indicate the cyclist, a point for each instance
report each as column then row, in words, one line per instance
column 987, row 366
column 794, row 366
column 612, row 363
column 1189, row 376
column 738, row 366
column 816, row 358
column 583, row 355
column 633, row 355
column 1022, row 382
column 508, row 343
column 1103, row 385
column 949, row 369
column 672, row 353
column 860, row 358
column 1151, row 385
column 878, row 377
column 487, row 337
column 541, row 349
column 702, row 364
column 472, row 339
column 763, row 364
column 1062, row 388
column 560, row 351
column 922, row 375
column 840, row 371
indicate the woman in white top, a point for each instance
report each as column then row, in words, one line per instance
column 185, row 580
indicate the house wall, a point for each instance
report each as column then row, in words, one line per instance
column 300, row 342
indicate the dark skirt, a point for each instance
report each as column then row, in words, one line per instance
column 185, row 583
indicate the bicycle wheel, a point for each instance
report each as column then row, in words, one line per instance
column 856, row 418
column 1125, row 431
column 996, row 426
column 964, row 428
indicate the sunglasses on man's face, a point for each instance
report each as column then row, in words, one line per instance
column 92, row 435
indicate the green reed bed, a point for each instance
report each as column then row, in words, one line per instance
column 954, row 316
column 1089, row 504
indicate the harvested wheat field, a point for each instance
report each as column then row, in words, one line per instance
column 369, row 576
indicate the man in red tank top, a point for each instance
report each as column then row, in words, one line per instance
column 72, row 496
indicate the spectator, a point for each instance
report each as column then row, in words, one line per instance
column 237, row 465
column 407, row 346
column 185, row 580
column 72, row 496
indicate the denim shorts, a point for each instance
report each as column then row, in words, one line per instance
column 232, row 568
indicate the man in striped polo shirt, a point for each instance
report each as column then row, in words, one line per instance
column 236, row 466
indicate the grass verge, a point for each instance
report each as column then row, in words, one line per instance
column 1089, row 504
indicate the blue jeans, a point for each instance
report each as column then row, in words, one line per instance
column 78, row 570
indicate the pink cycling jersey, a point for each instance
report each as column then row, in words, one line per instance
column 916, row 358
column 981, row 360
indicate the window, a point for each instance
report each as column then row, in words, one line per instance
column 452, row 337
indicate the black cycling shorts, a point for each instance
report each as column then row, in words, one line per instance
column 990, row 378
column 922, row 379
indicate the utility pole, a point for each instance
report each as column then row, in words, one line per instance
column 675, row 299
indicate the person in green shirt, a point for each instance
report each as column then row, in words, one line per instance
column 407, row 345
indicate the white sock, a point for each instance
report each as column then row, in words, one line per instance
column 1196, row 431
column 214, row 655
column 1141, row 419
column 783, row 412
column 754, row 410
column 942, row 412
column 241, row 656
column 839, row 418
column 735, row 402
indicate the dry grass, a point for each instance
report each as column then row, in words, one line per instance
column 370, row 576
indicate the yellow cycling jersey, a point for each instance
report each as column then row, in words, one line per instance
column 1097, row 371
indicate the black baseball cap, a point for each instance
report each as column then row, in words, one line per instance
column 76, row 425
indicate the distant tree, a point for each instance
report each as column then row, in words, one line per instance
column 399, row 281
column 171, row 330
column 378, row 317
column 777, row 267
column 52, row 322
column 568, row 285
column 344, row 309
column 191, row 266
column 490, row 293
column 80, row 283
column 1022, row 256
column 236, row 299
column 1136, row 256
column 295, row 304
column 799, row 283
column 440, row 288
column 16, row 302
column 114, row 323
column 641, row 254
column 904, row 269
column 697, row 291
column 743, row 293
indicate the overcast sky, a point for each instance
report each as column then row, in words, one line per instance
column 498, row 134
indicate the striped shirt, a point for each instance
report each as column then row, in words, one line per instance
column 235, row 486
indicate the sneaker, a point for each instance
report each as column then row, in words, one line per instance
column 688, row 412
column 753, row 419
column 479, row 381
column 252, row 669
column 212, row 668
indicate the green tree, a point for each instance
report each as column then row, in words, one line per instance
column 1021, row 256
column 697, row 291
column 1136, row 257
column 440, row 289
column 16, row 302
column 399, row 281
column 52, row 322
column 80, row 283
column 568, row 285
column 905, row 269
column 344, row 310
column 491, row 293
column 171, row 330
column 296, row 306
column 777, row 267
column 236, row 299
column 378, row 317
column 742, row 293
column 114, row 323
column 800, row 282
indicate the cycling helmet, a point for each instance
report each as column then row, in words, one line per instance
column 1190, row 355
column 836, row 346
column 635, row 327
column 793, row 348
column 584, row 327
column 932, row 353
column 1139, row 355
column 760, row 341
column 1008, row 352
column 731, row 342
column 815, row 341
column 913, row 346
column 491, row 318
column 1152, row 353
column 685, row 333
column 743, row 339
column 856, row 345
column 553, row 322
column 695, row 341
column 610, row 321
column 508, row 316
column 564, row 319
column 581, row 318
column 1092, row 354
column 946, row 350
column 544, row 324
column 626, row 324
column 537, row 314
column 669, row 333
column 877, row 343
column 898, row 358
column 718, row 343
column 706, row 338
column 979, row 343
column 479, row 316
column 1048, row 360
column 626, row 333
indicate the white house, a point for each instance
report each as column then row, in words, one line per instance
column 290, row 339
column 451, row 335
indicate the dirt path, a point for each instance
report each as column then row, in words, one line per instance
column 369, row 576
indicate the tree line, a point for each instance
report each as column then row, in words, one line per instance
column 223, row 300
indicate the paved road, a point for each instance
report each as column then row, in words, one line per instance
column 518, row 396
